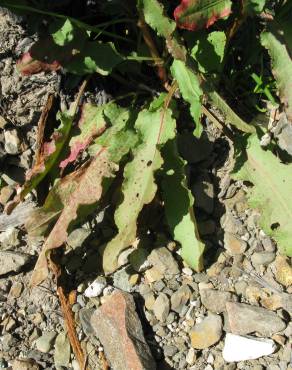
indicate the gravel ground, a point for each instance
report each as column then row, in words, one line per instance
column 186, row 316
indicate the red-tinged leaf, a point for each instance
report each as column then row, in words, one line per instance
column 88, row 191
column 92, row 123
column 27, row 65
column 194, row 15
column 49, row 154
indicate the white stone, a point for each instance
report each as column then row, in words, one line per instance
column 191, row 356
column 94, row 289
column 240, row 348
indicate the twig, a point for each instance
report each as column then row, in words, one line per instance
column 161, row 72
column 41, row 127
column 69, row 319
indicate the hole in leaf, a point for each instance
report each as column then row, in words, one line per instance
column 149, row 163
column 275, row 225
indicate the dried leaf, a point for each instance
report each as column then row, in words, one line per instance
column 88, row 191
column 90, row 125
column 50, row 153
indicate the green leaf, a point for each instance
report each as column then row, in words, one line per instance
column 120, row 138
column 251, row 7
column 281, row 65
column 117, row 140
column 179, row 203
column 230, row 116
column 157, row 19
column 271, row 191
column 209, row 51
column 155, row 128
column 194, row 15
column 91, row 124
column 190, row 89
column 65, row 34
column 95, row 57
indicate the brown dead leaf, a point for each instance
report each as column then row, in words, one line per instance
column 88, row 191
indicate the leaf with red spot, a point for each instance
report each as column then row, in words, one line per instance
column 92, row 123
column 49, row 155
column 68, row 46
column 87, row 193
column 27, row 65
column 194, row 15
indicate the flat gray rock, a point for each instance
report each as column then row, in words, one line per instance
column 12, row 261
column 244, row 319
column 163, row 261
column 215, row 300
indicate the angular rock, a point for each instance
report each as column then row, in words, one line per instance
column 233, row 244
column 5, row 194
column 25, row 364
column 85, row 317
column 161, row 307
column 9, row 238
column 180, row 298
column 12, row 261
column 46, row 341
column 262, row 258
column 119, row 329
column 163, row 261
column 153, row 275
column 77, row 237
column 282, row 271
column 95, row 288
column 122, row 279
column 16, row 289
column 149, row 301
column 138, row 259
column 12, row 141
column 238, row 348
column 207, row 332
column 62, row 350
column 215, row 300
column 244, row 319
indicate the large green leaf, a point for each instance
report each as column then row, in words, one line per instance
column 118, row 139
column 271, row 193
column 68, row 46
column 179, row 203
column 155, row 128
column 190, row 89
column 197, row 14
column 274, row 42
